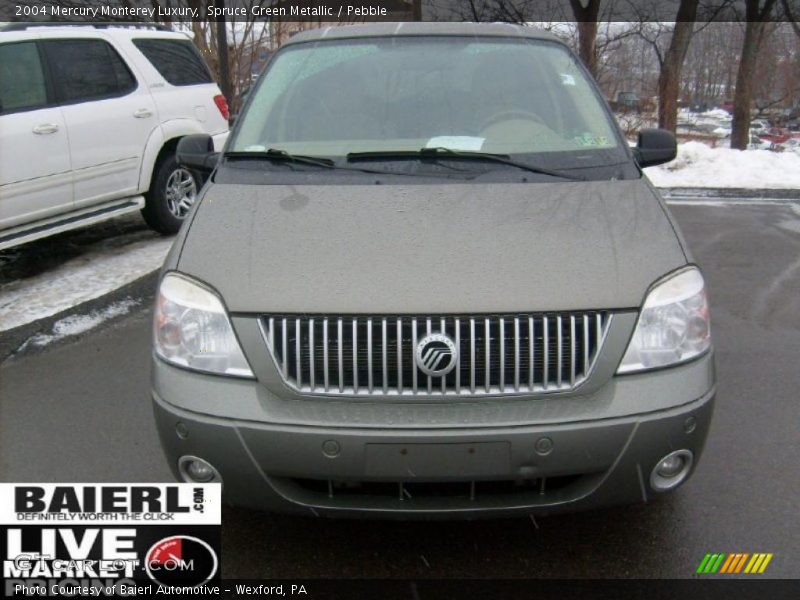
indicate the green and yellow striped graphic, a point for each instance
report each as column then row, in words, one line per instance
column 734, row 563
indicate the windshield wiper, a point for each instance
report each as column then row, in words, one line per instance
column 273, row 154
column 440, row 152
column 281, row 156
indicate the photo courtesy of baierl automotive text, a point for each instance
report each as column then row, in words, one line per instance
column 327, row 299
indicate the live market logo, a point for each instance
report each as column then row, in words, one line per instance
column 109, row 539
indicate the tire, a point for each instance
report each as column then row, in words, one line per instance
column 172, row 193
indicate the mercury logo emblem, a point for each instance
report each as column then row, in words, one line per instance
column 436, row 355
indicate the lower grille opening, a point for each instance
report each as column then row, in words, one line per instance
column 411, row 490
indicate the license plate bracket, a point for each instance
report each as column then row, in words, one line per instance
column 438, row 461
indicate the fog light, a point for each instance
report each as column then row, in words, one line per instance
column 197, row 470
column 671, row 470
column 670, row 466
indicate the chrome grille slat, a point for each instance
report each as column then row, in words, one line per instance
column 271, row 332
column 472, row 355
column 285, row 343
column 572, row 351
column 340, row 354
column 355, row 355
column 501, row 342
column 428, row 332
column 384, row 366
column 559, row 342
column 546, row 352
column 531, row 352
column 400, row 355
column 325, row 352
column 586, row 337
column 458, row 358
column 369, row 356
column 298, row 336
column 414, row 349
column 311, row 380
column 443, row 329
column 516, row 354
column 507, row 354
column 488, row 355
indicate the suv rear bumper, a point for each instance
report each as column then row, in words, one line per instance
column 461, row 472
column 219, row 140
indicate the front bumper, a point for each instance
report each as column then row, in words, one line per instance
column 292, row 461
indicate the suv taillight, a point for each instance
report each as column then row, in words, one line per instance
column 222, row 105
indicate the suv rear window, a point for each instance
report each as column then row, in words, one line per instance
column 86, row 70
column 22, row 83
column 178, row 61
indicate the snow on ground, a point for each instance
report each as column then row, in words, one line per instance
column 77, row 324
column 718, row 113
column 84, row 278
column 699, row 165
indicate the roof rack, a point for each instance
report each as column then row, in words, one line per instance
column 22, row 26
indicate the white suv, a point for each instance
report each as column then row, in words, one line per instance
column 90, row 118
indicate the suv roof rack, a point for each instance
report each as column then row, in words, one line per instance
column 22, row 26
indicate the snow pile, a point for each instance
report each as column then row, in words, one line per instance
column 698, row 165
column 76, row 324
column 84, row 278
column 718, row 113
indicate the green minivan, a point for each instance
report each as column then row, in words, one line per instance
column 428, row 278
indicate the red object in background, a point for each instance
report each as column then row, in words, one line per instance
column 222, row 105
column 776, row 135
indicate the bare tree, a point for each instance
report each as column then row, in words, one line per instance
column 672, row 56
column 776, row 83
column 709, row 71
column 757, row 13
column 791, row 15
column 669, row 78
column 506, row 11
column 586, row 13
column 595, row 30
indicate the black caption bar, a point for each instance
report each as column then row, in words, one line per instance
column 355, row 11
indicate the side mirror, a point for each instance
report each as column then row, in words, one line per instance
column 655, row 147
column 196, row 151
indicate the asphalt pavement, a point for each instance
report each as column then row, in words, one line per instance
column 79, row 411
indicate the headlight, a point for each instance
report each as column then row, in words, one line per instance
column 673, row 326
column 192, row 330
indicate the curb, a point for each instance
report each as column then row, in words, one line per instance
column 142, row 289
column 731, row 193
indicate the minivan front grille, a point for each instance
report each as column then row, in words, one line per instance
column 359, row 355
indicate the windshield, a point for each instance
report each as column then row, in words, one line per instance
column 490, row 95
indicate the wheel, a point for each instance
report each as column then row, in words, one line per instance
column 172, row 193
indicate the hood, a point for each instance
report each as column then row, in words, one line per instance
column 450, row 248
